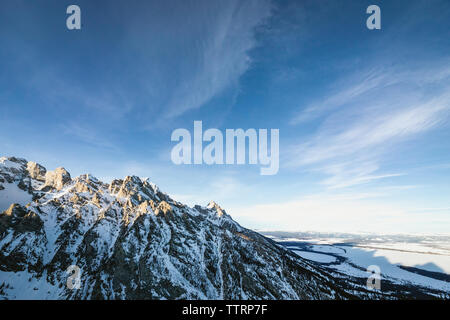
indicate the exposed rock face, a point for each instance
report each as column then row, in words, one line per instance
column 15, row 177
column 163, row 207
column 12, row 169
column 36, row 171
column 217, row 208
column 132, row 241
column 57, row 178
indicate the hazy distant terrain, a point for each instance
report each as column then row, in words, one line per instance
column 421, row 263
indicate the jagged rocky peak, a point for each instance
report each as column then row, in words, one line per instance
column 214, row 206
column 12, row 161
column 12, row 165
column 57, row 178
column 132, row 183
column 126, row 187
column 138, row 190
column 87, row 183
column 36, row 171
column 89, row 178
column 21, row 167
column 19, row 171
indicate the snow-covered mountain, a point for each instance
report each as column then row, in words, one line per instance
column 132, row 241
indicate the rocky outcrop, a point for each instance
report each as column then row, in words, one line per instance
column 57, row 179
column 12, row 169
column 36, row 171
column 163, row 207
column 214, row 206
column 20, row 219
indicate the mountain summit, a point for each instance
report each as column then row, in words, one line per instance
column 129, row 240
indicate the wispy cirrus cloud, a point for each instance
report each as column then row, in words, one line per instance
column 222, row 56
column 359, row 85
column 373, row 130
column 192, row 51
column 135, row 62
column 363, row 122
column 347, row 174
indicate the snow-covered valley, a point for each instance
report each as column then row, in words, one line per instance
column 410, row 260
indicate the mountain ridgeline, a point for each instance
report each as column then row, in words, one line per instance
column 129, row 240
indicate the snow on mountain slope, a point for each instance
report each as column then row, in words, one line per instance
column 132, row 241
column 10, row 192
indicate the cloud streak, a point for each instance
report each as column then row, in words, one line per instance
column 222, row 56
column 154, row 58
column 363, row 123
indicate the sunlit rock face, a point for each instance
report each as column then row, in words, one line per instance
column 57, row 179
column 132, row 241
column 36, row 171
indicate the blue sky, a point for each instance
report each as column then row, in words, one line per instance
column 363, row 115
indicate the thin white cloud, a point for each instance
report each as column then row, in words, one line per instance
column 222, row 56
column 356, row 87
column 372, row 119
column 374, row 129
column 363, row 83
column 348, row 174
column 168, row 57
